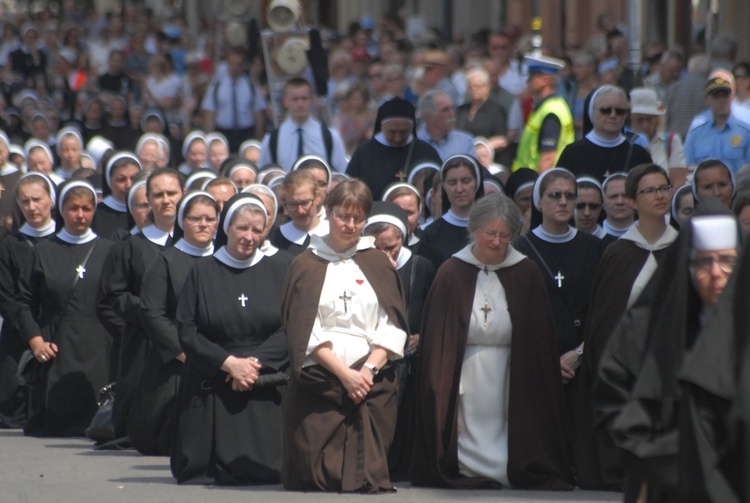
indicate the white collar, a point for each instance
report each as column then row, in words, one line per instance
column 555, row 238
column 465, row 254
column 599, row 232
column 225, row 258
column 268, row 249
column 113, row 203
column 135, row 230
column 8, row 169
column 403, row 257
column 298, row 237
column 413, row 239
column 614, row 231
column 380, row 138
column 602, row 142
column 666, row 239
column 156, row 235
column 40, row 232
column 320, row 248
column 454, row 219
column 84, row 238
column 56, row 178
column 194, row 251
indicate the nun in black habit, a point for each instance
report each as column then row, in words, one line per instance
column 462, row 183
column 393, row 150
column 636, row 395
column 112, row 213
column 58, row 319
column 229, row 425
column 151, row 427
column 388, row 224
column 36, row 196
column 121, row 292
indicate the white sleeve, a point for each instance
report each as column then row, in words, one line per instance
column 677, row 156
column 388, row 336
column 338, row 156
column 259, row 102
column 265, row 154
column 318, row 336
column 515, row 116
column 208, row 98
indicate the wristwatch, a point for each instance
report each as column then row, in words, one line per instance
column 372, row 368
column 579, row 352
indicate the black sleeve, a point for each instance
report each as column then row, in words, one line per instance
column 156, row 299
column 549, row 133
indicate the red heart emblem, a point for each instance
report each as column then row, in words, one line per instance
column 360, row 281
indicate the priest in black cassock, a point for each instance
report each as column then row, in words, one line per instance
column 393, row 150
column 229, row 426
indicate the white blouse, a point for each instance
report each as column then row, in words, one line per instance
column 349, row 315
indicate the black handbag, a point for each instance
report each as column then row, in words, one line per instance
column 102, row 428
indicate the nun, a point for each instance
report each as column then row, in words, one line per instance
column 69, row 150
column 194, row 152
column 636, row 395
column 301, row 196
column 154, row 402
column 229, row 424
column 589, row 204
column 387, row 223
column 112, row 213
column 241, row 171
column 36, row 196
column 394, row 149
column 712, row 178
column 461, row 179
column 624, row 271
column 121, row 292
column 567, row 259
column 9, row 176
column 59, row 320
column 519, row 187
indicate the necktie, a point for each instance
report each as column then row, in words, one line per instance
column 235, row 121
column 300, row 144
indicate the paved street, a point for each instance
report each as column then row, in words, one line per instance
column 68, row 470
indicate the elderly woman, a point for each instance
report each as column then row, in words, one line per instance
column 477, row 315
column 59, row 320
column 637, row 397
column 481, row 116
column 229, row 425
column 345, row 321
column 604, row 149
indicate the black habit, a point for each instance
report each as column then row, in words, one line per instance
column 60, row 305
column 586, row 158
column 225, row 436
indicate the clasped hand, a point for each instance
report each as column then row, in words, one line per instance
column 357, row 383
column 242, row 372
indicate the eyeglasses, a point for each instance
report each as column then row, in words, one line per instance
column 198, row 220
column 705, row 264
column 357, row 219
column 502, row 236
column 294, row 205
column 651, row 191
column 620, row 112
column 591, row 206
column 556, row 196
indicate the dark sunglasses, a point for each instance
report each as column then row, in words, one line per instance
column 591, row 206
column 556, row 196
column 618, row 111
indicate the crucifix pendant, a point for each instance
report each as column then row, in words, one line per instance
column 486, row 308
column 243, row 298
column 80, row 270
column 559, row 279
column 346, row 299
column 401, row 176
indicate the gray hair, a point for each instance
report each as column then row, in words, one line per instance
column 480, row 72
column 492, row 207
column 699, row 64
column 426, row 103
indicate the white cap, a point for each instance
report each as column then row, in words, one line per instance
column 714, row 233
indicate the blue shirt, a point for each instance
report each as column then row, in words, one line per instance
column 457, row 142
column 731, row 145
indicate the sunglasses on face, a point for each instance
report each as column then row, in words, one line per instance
column 620, row 112
column 556, row 196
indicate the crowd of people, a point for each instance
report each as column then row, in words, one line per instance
column 333, row 302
